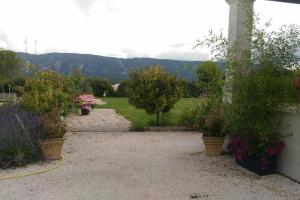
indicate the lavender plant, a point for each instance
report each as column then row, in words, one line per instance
column 19, row 146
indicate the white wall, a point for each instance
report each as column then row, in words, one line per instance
column 289, row 160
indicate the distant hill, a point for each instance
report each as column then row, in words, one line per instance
column 107, row 67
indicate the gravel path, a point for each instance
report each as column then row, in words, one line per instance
column 100, row 102
column 99, row 120
column 145, row 166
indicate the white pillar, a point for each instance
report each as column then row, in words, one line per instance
column 239, row 40
column 240, row 26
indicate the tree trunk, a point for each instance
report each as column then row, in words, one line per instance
column 157, row 118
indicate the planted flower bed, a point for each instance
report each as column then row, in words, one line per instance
column 261, row 163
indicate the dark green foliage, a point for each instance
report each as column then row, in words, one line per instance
column 154, row 90
column 122, row 90
column 258, row 99
column 100, row 87
column 210, row 78
column 12, row 86
column 10, row 65
column 260, row 95
column 190, row 89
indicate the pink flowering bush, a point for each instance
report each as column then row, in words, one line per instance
column 243, row 148
column 85, row 101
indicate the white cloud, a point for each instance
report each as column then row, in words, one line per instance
column 124, row 28
column 4, row 42
column 190, row 55
column 132, row 53
column 85, row 5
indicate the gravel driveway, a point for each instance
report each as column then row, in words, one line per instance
column 145, row 166
column 99, row 120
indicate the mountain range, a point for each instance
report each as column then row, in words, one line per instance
column 111, row 68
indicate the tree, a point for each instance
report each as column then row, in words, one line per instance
column 122, row 90
column 10, row 65
column 210, row 78
column 190, row 89
column 100, row 87
column 154, row 90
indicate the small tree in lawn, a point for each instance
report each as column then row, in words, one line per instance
column 210, row 78
column 154, row 90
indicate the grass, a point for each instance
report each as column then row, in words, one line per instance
column 140, row 118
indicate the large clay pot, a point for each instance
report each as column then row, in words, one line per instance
column 213, row 145
column 51, row 148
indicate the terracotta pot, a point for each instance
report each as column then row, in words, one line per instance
column 51, row 148
column 213, row 145
column 296, row 82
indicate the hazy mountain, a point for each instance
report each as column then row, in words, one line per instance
column 107, row 67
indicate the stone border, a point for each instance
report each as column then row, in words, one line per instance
column 30, row 169
column 168, row 128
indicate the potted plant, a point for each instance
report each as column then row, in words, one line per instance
column 255, row 155
column 213, row 135
column 85, row 102
column 255, row 117
column 211, row 125
column 54, row 130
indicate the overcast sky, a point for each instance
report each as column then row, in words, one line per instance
column 123, row 28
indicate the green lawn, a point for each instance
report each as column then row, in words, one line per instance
column 140, row 118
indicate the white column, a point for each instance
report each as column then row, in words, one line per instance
column 240, row 26
column 239, row 40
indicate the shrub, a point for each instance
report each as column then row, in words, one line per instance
column 44, row 92
column 205, row 115
column 193, row 114
column 16, row 146
column 154, row 90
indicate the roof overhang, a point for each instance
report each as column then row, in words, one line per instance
column 287, row 1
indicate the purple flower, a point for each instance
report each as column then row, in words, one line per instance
column 238, row 147
column 276, row 149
